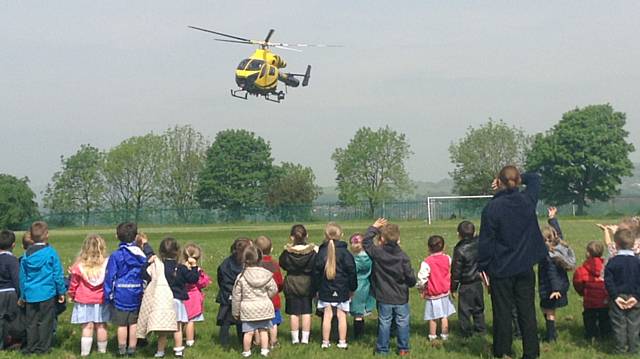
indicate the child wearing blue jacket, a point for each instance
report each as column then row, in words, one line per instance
column 41, row 286
column 123, row 287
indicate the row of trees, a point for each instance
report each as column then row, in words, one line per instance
column 582, row 158
column 179, row 169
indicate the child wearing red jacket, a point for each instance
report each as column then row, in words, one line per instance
column 434, row 281
column 588, row 280
column 264, row 244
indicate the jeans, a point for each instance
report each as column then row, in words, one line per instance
column 506, row 293
column 386, row 314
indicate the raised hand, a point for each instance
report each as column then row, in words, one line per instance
column 380, row 222
column 552, row 211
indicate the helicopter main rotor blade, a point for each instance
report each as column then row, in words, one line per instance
column 287, row 48
column 299, row 45
column 235, row 41
column 219, row 33
column 266, row 39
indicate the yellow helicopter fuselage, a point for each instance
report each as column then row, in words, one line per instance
column 259, row 73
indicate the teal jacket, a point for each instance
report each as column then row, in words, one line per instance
column 363, row 302
column 41, row 276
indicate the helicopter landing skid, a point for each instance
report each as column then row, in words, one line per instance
column 279, row 97
column 240, row 93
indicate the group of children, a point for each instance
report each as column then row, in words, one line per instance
column 140, row 292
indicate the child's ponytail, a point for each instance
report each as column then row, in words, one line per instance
column 332, row 233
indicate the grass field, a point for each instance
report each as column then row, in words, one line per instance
column 216, row 240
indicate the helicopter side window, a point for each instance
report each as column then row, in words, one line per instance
column 272, row 71
column 264, row 71
column 255, row 65
column 243, row 64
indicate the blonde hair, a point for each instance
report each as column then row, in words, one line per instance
column 93, row 256
column 191, row 250
column 332, row 233
column 264, row 244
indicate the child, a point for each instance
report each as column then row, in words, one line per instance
column 251, row 303
column 178, row 276
column 622, row 280
column 86, row 289
column 265, row 246
column 434, row 278
column 123, row 286
column 9, row 284
column 588, row 280
column 466, row 280
column 195, row 303
column 553, row 282
column 334, row 279
column 41, row 285
column 391, row 278
column 227, row 273
column 297, row 260
column 157, row 310
column 363, row 302
column 632, row 224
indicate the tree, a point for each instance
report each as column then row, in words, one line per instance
column 236, row 173
column 132, row 172
column 292, row 191
column 372, row 167
column 17, row 201
column 183, row 157
column 583, row 157
column 481, row 154
column 79, row 186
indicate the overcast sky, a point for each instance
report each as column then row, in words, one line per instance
column 74, row 72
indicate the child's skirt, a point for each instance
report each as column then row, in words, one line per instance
column 296, row 305
column 343, row 306
column 438, row 308
column 253, row 326
column 197, row 318
column 181, row 311
column 90, row 313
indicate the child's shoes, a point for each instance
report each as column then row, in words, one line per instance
column 325, row 345
column 246, row 354
column 264, row 352
column 342, row 344
column 444, row 337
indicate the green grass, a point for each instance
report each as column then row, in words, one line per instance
column 216, row 240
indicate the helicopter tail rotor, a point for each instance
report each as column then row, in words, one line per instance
column 307, row 76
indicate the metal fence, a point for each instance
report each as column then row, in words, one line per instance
column 408, row 210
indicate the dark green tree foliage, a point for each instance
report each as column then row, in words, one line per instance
column 236, row 172
column 292, row 191
column 372, row 167
column 584, row 157
column 481, row 154
column 183, row 161
column 17, row 201
column 79, row 186
column 132, row 173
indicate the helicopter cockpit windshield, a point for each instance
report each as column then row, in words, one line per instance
column 243, row 64
column 255, row 65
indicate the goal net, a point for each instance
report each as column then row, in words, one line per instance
column 455, row 207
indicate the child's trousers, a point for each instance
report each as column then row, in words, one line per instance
column 40, row 318
column 596, row 322
column 626, row 327
column 471, row 305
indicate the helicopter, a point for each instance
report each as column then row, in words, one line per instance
column 259, row 74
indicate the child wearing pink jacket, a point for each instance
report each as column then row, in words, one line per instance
column 195, row 303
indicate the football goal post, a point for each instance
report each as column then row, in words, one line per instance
column 455, row 207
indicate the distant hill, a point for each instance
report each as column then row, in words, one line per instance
column 422, row 190
column 631, row 185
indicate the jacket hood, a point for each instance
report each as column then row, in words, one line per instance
column 301, row 249
column 257, row 277
column 135, row 256
column 38, row 259
column 594, row 266
column 91, row 282
column 563, row 256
